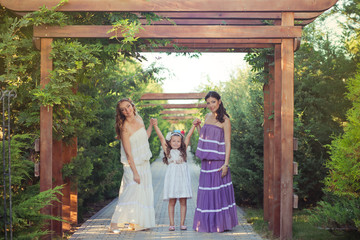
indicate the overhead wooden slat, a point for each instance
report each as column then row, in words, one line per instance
column 209, row 50
column 304, row 17
column 177, row 117
column 172, row 96
column 228, row 22
column 206, row 22
column 172, row 32
column 172, row 112
column 219, row 45
column 234, row 15
column 174, row 5
column 173, row 106
column 225, row 41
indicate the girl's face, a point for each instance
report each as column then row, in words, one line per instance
column 175, row 142
column 126, row 109
column 213, row 104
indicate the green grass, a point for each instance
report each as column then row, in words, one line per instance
column 302, row 229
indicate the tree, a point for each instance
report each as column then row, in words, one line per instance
column 100, row 76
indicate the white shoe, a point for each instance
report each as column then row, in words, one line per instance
column 115, row 231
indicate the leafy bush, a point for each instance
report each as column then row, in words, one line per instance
column 342, row 207
column 26, row 199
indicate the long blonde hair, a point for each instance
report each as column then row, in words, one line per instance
column 120, row 118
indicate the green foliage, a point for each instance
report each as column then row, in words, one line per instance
column 243, row 99
column 337, row 213
column 344, row 164
column 257, row 59
column 341, row 207
column 303, row 228
column 26, row 199
column 88, row 79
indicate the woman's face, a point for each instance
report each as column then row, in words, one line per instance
column 126, row 109
column 213, row 104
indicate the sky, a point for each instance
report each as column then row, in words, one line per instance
column 185, row 74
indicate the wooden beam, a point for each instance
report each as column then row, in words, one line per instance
column 219, row 45
column 204, row 50
column 287, row 128
column 172, row 96
column 225, row 41
column 235, row 15
column 304, row 17
column 170, row 106
column 168, row 112
column 46, row 115
column 177, row 117
column 173, row 32
column 174, row 5
column 225, row 22
column 237, row 22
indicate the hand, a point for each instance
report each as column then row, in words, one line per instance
column 196, row 122
column 224, row 170
column 137, row 178
column 153, row 121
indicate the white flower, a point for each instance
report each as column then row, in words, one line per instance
column 168, row 136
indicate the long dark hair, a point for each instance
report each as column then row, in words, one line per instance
column 120, row 118
column 182, row 149
column 221, row 112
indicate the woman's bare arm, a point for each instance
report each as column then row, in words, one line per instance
column 227, row 138
column 160, row 135
column 125, row 140
column 188, row 136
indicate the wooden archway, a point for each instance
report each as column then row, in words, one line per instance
column 214, row 26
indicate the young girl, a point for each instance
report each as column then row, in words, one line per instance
column 177, row 184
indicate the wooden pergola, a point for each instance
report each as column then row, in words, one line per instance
column 206, row 26
column 180, row 113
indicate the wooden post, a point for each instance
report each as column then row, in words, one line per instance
column 267, row 113
column 73, row 189
column 275, row 220
column 287, row 126
column 66, row 190
column 271, row 142
column 46, row 115
column 58, row 181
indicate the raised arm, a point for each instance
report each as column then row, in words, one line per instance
column 188, row 136
column 125, row 140
column 150, row 127
column 160, row 135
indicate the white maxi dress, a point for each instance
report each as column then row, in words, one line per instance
column 136, row 201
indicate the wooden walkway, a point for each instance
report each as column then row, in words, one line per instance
column 97, row 226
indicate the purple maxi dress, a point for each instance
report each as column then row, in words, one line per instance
column 216, row 208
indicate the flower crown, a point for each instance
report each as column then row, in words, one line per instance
column 174, row 133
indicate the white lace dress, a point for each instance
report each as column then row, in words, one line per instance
column 177, row 182
column 136, row 201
